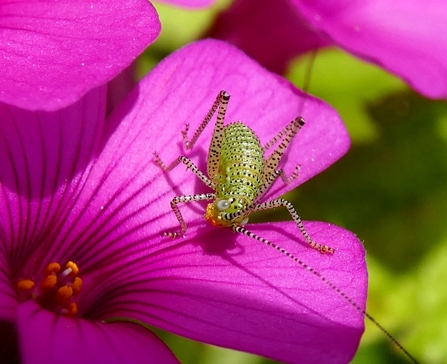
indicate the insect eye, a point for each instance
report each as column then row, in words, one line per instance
column 222, row 205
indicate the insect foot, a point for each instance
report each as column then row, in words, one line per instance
column 159, row 162
column 173, row 234
column 292, row 177
column 322, row 248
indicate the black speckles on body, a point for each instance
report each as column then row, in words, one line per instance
column 241, row 163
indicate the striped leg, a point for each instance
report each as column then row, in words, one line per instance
column 212, row 167
column 189, row 165
column 221, row 103
column 285, row 136
column 183, row 199
column 268, row 181
column 277, row 137
column 280, row 202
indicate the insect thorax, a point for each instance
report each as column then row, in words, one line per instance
column 239, row 176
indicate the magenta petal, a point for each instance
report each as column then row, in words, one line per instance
column 119, row 87
column 272, row 32
column 233, row 291
column 406, row 37
column 47, row 338
column 53, row 52
column 44, row 155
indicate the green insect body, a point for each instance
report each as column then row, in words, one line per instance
column 239, row 175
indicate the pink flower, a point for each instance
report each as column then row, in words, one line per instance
column 405, row 37
column 53, row 52
column 75, row 187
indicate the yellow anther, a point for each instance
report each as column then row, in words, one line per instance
column 74, row 268
column 48, row 282
column 76, row 286
column 63, row 295
column 25, row 284
column 72, row 309
column 52, row 268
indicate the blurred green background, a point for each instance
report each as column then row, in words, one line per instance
column 390, row 189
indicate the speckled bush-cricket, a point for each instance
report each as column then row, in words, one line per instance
column 239, row 175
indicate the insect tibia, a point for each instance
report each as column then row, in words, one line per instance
column 241, row 230
column 221, row 102
column 293, row 127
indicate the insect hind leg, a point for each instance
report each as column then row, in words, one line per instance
column 277, row 137
column 220, row 103
column 280, row 202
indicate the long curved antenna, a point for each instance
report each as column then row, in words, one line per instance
column 241, row 230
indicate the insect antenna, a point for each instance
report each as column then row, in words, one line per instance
column 241, row 230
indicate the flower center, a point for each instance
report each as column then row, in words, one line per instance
column 56, row 290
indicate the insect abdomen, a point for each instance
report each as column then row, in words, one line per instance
column 241, row 163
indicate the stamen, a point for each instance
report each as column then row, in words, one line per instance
column 71, row 268
column 48, row 282
column 63, row 295
column 56, row 290
column 25, row 284
column 76, row 286
column 72, row 309
column 52, row 268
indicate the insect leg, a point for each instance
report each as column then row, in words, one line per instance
column 183, row 199
column 271, row 164
column 290, row 178
column 189, row 165
column 216, row 140
column 280, row 202
column 277, row 137
column 221, row 103
column 268, row 181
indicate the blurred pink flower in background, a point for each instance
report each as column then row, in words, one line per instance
column 53, row 52
column 405, row 37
